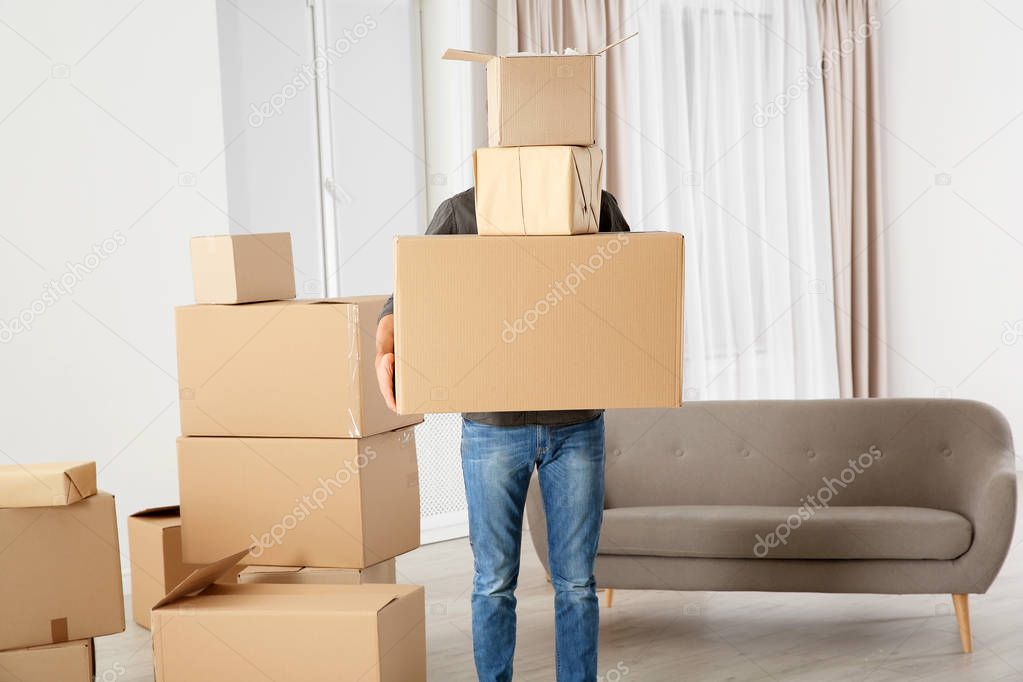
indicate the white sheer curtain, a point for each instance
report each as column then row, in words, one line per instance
column 727, row 145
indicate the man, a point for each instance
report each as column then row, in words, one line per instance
column 499, row 451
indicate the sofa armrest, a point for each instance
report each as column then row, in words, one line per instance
column 992, row 511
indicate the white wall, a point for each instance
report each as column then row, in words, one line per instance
column 952, row 100
column 110, row 133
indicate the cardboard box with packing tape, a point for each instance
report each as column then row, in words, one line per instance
column 60, row 573
column 540, row 99
column 325, row 502
column 313, row 633
column 538, row 190
column 300, row 368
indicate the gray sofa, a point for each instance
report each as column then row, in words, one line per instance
column 892, row 496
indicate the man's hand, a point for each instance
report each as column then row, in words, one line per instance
column 385, row 360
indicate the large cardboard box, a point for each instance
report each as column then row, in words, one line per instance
column 539, row 99
column 242, row 268
column 154, row 539
column 328, row 502
column 538, row 323
column 66, row 662
column 60, row 573
column 382, row 573
column 288, row 368
column 538, row 190
column 289, row 633
column 46, row 484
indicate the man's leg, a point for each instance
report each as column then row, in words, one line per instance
column 497, row 463
column 571, row 472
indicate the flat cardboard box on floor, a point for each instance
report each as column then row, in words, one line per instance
column 382, row 573
column 538, row 323
column 288, row 633
column 242, row 268
column 539, row 99
column 66, row 662
column 326, row 502
column 47, row 484
column 60, row 573
column 538, row 190
column 287, row 368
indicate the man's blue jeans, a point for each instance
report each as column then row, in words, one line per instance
column 497, row 463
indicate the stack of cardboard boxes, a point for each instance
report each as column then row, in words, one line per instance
column 60, row 571
column 291, row 464
column 552, row 315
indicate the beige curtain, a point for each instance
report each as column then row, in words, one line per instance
column 849, row 47
column 585, row 25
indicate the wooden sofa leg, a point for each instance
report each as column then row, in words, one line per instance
column 962, row 606
column 610, row 596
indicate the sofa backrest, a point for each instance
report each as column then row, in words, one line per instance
column 905, row 452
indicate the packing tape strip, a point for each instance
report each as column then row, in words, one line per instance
column 58, row 630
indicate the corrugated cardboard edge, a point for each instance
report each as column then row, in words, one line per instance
column 680, row 320
column 201, row 578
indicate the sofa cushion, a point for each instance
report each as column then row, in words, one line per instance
column 747, row 532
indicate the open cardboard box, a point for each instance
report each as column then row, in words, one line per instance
column 300, row 633
column 539, row 99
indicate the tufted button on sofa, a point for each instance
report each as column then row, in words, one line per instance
column 893, row 496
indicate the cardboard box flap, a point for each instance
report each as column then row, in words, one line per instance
column 616, row 43
column 153, row 512
column 202, row 578
column 46, row 484
column 467, row 56
column 483, row 58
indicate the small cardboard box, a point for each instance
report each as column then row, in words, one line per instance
column 538, row 190
column 312, row 633
column 288, row 368
column 66, row 662
column 47, row 484
column 382, row 573
column 243, row 268
column 327, row 502
column 539, row 99
column 154, row 539
column 60, row 573
column 526, row 323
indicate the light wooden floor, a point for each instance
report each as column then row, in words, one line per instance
column 739, row 637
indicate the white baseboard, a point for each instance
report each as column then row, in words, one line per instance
column 444, row 527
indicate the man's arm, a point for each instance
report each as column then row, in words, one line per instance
column 444, row 222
